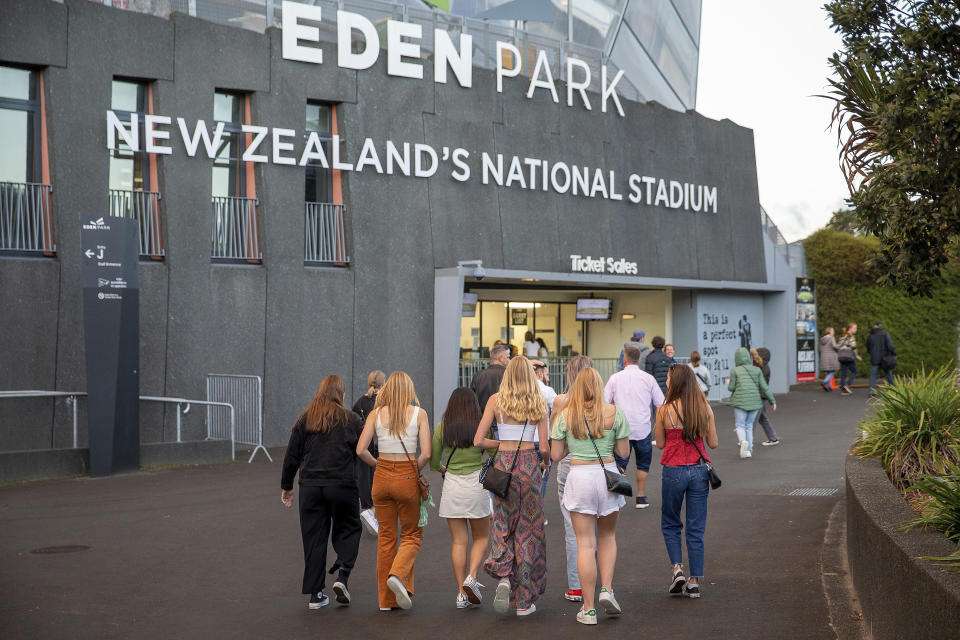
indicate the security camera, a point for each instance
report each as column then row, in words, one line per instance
column 478, row 271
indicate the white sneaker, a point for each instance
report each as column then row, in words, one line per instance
column 744, row 453
column 587, row 617
column 340, row 589
column 369, row 521
column 501, row 597
column 609, row 603
column 525, row 612
column 472, row 589
column 403, row 598
column 749, row 454
column 462, row 602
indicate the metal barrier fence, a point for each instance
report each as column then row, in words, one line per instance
column 246, row 394
column 324, row 237
column 144, row 207
column 26, row 218
column 235, row 235
column 556, row 368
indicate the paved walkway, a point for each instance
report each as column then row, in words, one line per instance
column 209, row 552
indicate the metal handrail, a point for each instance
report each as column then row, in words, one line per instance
column 73, row 395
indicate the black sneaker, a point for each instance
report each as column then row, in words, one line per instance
column 318, row 600
column 676, row 587
column 642, row 502
column 692, row 590
column 340, row 590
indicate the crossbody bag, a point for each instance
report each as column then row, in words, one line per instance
column 711, row 474
column 616, row 481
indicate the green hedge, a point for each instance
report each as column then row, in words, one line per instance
column 924, row 330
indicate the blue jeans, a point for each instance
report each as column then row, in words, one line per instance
column 743, row 425
column 569, row 537
column 643, row 453
column 546, row 475
column 690, row 482
column 874, row 370
column 845, row 368
column 827, row 378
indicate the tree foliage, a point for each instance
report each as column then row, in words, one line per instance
column 897, row 116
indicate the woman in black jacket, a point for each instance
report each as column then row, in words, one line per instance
column 322, row 448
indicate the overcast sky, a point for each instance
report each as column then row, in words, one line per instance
column 761, row 64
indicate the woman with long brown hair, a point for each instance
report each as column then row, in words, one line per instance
column 322, row 449
column 517, row 556
column 464, row 502
column 684, row 425
column 590, row 430
column 399, row 425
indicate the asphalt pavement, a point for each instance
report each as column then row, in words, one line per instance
column 209, row 552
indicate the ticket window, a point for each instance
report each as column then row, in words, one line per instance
column 547, row 326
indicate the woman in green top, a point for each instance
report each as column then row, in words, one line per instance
column 464, row 502
column 590, row 429
column 746, row 382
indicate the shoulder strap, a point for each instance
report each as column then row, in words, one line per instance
column 519, row 442
column 416, row 469
column 450, row 457
column 594, row 443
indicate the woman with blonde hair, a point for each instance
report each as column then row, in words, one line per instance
column 517, row 555
column 590, row 430
column 399, row 424
column 574, row 593
column 683, row 429
column 362, row 408
column 322, row 449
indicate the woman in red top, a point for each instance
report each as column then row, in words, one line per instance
column 684, row 473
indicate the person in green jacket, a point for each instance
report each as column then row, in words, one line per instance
column 464, row 502
column 747, row 387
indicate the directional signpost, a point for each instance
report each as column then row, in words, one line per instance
column 111, row 324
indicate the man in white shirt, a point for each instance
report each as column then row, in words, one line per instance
column 633, row 390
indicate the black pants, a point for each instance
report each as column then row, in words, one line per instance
column 365, row 479
column 318, row 507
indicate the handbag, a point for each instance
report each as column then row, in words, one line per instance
column 845, row 356
column 616, row 481
column 712, row 476
column 497, row 481
column 423, row 484
column 888, row 362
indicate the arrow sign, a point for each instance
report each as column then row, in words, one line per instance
column 88, row 253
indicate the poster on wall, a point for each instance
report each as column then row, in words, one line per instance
column 725, row 324
column 518, row 317
column 806, row 329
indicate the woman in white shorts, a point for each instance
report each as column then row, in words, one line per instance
column 464, row 502
column 586, row 421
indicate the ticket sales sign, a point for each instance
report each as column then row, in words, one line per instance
column 111, row 323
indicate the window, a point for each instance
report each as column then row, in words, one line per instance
column 26, row 224
column 235, row 235
column 325, row 241
column 133, row 192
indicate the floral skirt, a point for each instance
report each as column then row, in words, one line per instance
column 517, row 543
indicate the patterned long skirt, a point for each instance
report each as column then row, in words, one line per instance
column 518, row 546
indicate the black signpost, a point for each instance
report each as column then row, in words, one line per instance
column 111, row 325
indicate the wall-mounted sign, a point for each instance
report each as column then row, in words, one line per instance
column 518, row 316
column 806, row 329
column 589, row 264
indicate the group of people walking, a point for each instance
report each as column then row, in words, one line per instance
column 842, row 355
column 588, row 430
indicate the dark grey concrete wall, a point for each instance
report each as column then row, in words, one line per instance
column 293, row 324
column 901, row 595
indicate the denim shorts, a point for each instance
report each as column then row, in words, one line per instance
column 643, row 452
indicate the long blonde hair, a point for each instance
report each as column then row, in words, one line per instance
column 374, row 382
column 584, row 412
column 396, row 395
column 520, row 395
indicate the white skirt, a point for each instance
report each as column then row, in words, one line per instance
column 464, row 497
column 586, row 491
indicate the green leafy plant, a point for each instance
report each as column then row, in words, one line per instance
column 915, row 427
column 941, row 508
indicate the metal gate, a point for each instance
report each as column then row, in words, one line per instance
column 245, row 393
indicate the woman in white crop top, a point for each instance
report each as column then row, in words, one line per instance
column 396, row 494
column 517, row 550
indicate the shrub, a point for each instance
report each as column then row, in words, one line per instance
column 915, row 426
column 941, row 509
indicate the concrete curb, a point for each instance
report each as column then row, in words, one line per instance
column 902, row 596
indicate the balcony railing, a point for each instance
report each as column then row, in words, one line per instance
column 144, row 207
column 235, row 235
column 324, row 238
column 26, row 219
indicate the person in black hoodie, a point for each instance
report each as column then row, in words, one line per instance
column 882, row 354
column 658, row 363
column 322, row 449
column 763, row 355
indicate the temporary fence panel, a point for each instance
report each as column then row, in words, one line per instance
column 245, row 393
